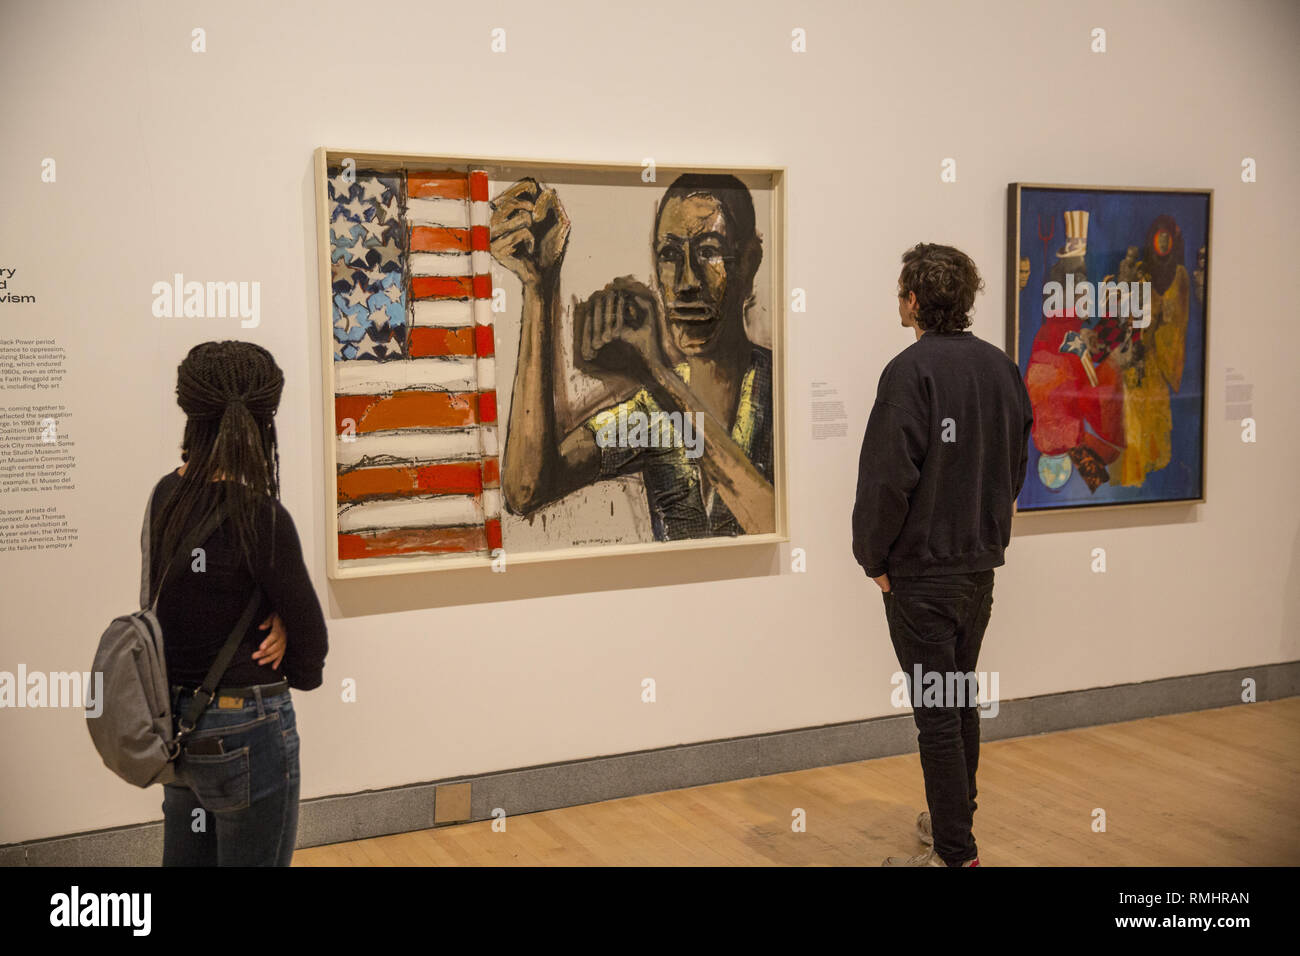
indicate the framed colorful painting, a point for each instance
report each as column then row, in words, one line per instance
column 531, row 360
column 1107, row 315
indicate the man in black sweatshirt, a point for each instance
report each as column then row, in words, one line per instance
column 942, row 462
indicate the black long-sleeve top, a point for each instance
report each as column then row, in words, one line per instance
column 198, row 609
column 943, row 459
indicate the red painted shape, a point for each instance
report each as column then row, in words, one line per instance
column 478, row 185
column 416, row 408
column 426, row 341
column 441, row 287
column 380, row 544
column 450, row 479
column 437, row 184
column 456, row 478
column 440, row 239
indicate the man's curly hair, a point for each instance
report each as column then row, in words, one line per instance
column 945, row 281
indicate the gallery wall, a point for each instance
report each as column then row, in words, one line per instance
column 173, row 161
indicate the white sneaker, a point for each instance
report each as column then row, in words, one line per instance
column 923, row 829
column 928, row 858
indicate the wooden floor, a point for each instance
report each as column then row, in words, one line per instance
column 1216, row 787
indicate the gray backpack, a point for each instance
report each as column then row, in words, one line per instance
column 134, row 732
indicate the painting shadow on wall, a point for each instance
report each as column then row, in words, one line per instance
column 1103, row 520
column 525, row 581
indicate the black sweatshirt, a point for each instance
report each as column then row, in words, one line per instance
column 943, row 459
column 198, row 610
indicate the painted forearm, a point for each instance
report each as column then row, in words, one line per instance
column 531, row 454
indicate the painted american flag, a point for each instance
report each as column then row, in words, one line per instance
column 414, row 364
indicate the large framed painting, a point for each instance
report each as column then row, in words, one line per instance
column 1107, row 316
column 533, row 360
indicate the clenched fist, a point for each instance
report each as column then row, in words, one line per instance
column 530, row 231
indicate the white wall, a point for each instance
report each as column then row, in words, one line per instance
column 170, row 161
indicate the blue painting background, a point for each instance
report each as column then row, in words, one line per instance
column 1116, row 221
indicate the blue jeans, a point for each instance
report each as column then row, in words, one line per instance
column 238, row 807
column 937, row 623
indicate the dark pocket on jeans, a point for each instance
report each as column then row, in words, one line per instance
column 219, row 781
column 925, row 616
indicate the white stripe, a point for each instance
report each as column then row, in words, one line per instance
column 438, row 212
column 445, row 313
column 491, row 503
column 487, row 373
column 488, row 436
column 483, row 311
column 427, row 511
column 380, row 378
column 416, row 446
column 482, row 262
column 479, row 213
column 440, row 263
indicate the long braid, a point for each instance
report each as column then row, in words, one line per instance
column 229, row 392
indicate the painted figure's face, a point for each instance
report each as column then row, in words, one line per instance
column 699, row 271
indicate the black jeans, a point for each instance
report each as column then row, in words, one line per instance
column 937, row 625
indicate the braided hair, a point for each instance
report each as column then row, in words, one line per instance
column 229, row 392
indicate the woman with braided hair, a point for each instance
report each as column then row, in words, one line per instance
column 234, row 801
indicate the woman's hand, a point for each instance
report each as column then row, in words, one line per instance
column 271, row 651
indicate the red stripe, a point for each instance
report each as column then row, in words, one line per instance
column 441, row 239
column 380, row 544
column 487, row 407
column 407, row 409
column 479, row 240
column 426, row 341
column 482, row 287
column 443, row 287
column 437, row 184
column 484, row 341
column 455, row 478
column 493, row 528
column 450, row 479
column 491, row 473
column 478, row 185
